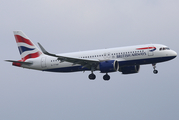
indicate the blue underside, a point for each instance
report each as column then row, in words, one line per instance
column 121, row 63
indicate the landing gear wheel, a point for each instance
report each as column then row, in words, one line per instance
column 155, row 71
column 92, row 76
column 106, row 77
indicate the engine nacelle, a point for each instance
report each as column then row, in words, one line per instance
column 130, row 69
column 109, row 66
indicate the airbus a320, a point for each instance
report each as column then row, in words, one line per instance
column 122, row 59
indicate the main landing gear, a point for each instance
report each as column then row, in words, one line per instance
column 106, row 77
column 92, row 76
column 155, row 71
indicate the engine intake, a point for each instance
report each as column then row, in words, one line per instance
column 109, row 66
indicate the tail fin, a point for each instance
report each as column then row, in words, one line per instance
column 26, row 47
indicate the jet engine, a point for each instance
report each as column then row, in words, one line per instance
column 108, row 66
column 130, row 69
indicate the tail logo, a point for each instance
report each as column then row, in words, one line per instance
column 26, row 48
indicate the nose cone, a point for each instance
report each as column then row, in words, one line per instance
column 174, row 53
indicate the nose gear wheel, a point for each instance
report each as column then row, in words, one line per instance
column 155, row 71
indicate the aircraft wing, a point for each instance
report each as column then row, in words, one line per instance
column 88, row 63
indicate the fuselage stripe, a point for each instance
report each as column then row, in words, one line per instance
column 145, row 48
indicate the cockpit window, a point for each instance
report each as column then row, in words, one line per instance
column 164, row 48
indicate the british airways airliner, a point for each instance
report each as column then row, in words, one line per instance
column 123, row 59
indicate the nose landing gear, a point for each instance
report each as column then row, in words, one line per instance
column 155, row 71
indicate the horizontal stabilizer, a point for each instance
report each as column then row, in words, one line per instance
column 21, row 62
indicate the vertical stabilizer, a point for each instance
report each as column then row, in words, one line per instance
column 26, row 47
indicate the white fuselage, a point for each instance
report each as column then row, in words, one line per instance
column 126, row 56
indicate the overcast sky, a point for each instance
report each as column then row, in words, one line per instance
column 76, row 25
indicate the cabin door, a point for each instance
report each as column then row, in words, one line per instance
column 43, row 62
column 151, row 50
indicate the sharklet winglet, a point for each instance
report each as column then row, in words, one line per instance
column 44, row 51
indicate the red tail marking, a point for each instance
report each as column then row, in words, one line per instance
column 17, row 64
column 22, row 39
column 33, row 55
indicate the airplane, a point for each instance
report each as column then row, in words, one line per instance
column 123, row 59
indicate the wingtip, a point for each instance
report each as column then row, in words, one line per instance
column 42, row 48
column 45, row 52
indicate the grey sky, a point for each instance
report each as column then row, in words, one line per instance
column 74, row 25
